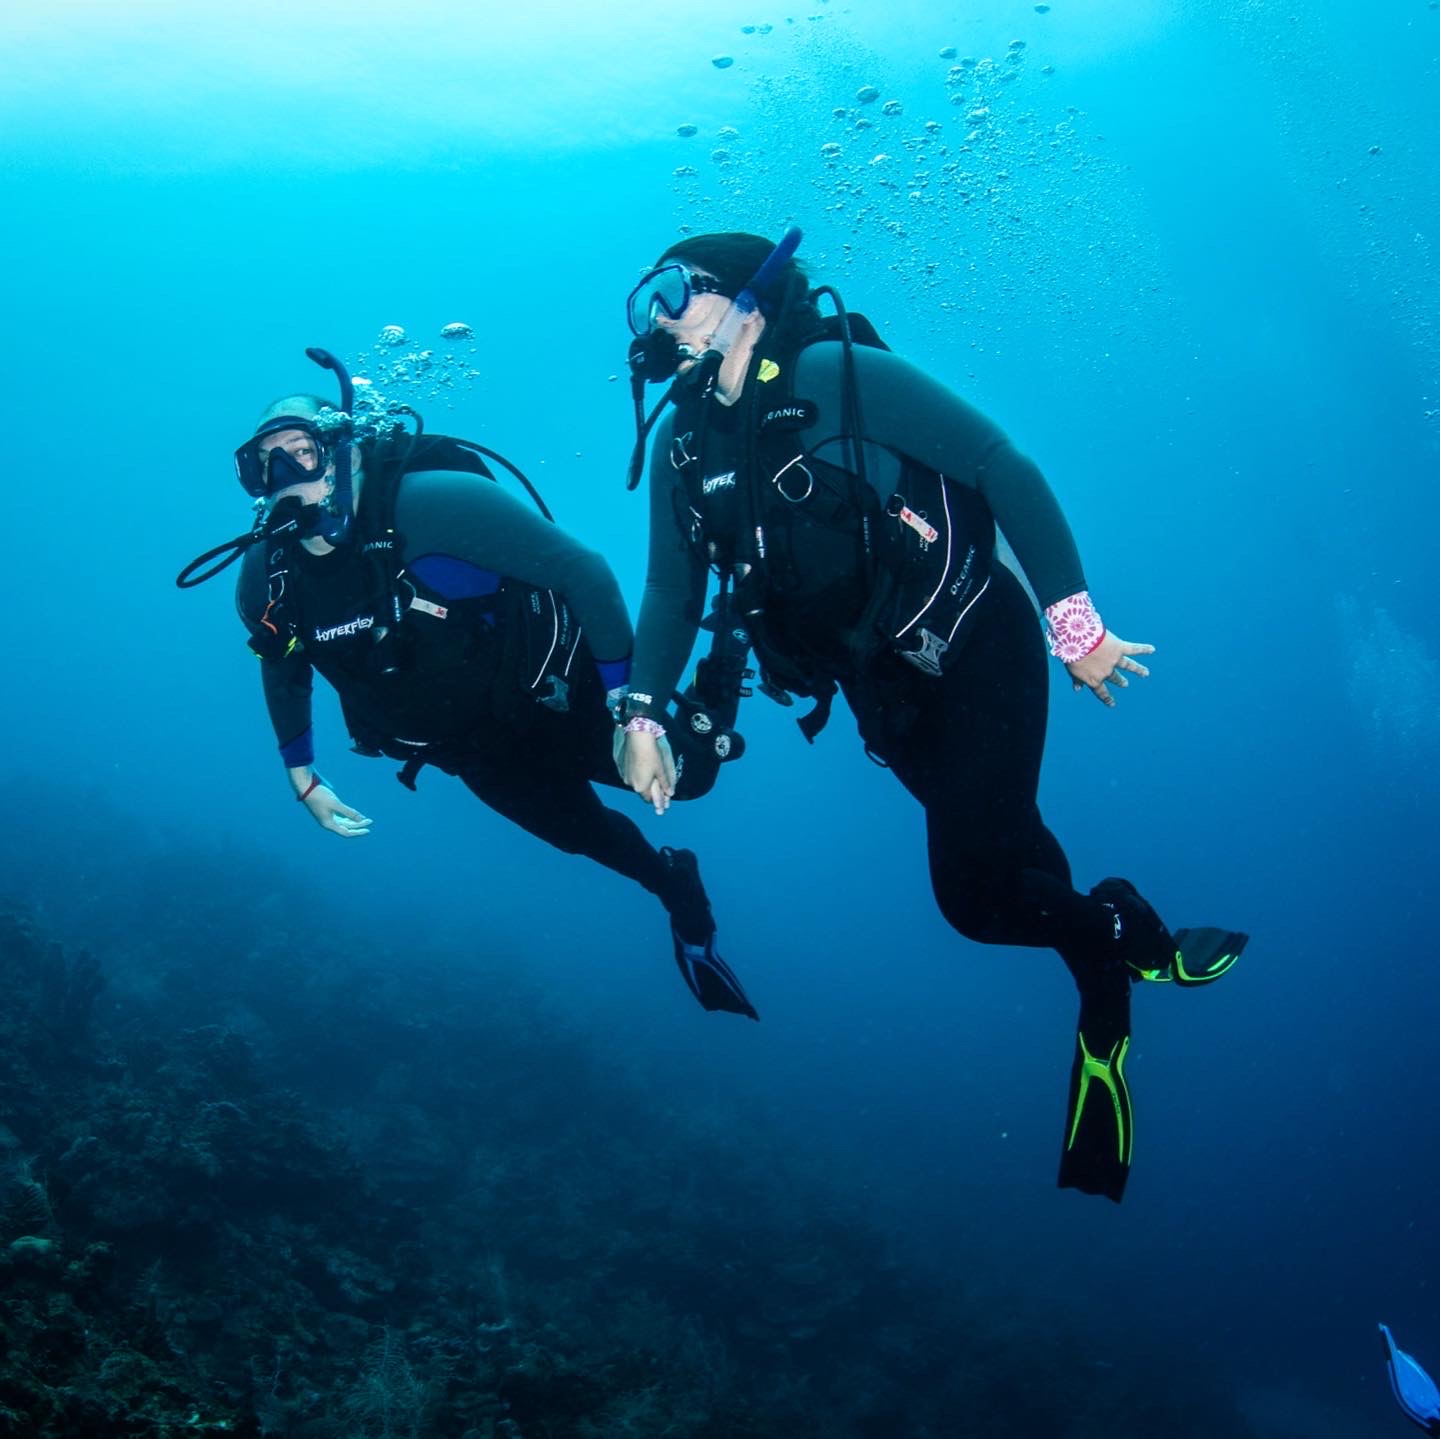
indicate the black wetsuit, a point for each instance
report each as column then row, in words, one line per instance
column 454, row 696
column 967, row 744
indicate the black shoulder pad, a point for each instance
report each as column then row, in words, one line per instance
column 443, row 452
column 862, row 332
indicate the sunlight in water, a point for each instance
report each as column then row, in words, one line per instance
column 366, row 83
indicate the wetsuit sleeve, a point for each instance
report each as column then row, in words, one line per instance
column 908, row 412
column 675, row 582
column 288, row 681
column 442, row 512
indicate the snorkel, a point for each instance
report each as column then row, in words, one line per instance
column 655, row 356
column 338, row 509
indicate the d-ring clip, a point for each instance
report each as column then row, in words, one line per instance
column 779, row 481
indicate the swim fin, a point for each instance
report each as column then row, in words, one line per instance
column 1415, row 1391
column 692, row 929
column 1204, row 954
column 1099, row 1124
column 711, row 980
column 1099, row 1121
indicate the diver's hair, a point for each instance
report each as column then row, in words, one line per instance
column 733, row 257
column 302, row 406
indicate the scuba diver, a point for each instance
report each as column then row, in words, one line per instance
column 1414, row 1390
column 459, row 628
column 848, row 504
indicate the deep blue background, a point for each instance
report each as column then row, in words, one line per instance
column 1209, row 311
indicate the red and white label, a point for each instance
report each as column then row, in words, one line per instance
column 923, row 528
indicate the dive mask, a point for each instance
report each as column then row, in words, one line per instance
column 665, row 291
column 264, row 468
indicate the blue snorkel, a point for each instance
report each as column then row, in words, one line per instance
column 760, row 280
column 339, row 509
column 748, row 301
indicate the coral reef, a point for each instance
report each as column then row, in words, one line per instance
column 308, row 1190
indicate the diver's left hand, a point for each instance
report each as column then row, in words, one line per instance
column 1106, row 664
column 647, row 766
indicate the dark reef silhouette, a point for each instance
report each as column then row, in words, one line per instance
column 258, row 1184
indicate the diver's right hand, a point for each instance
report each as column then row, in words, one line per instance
column 648, row 767
column 330, row 812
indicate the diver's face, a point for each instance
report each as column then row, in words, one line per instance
column 301, row 448
column 694, row 328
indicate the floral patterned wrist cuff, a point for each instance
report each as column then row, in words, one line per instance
column 1074, row 627
column 643, row 724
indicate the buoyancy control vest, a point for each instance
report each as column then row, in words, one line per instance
column 829, row 573
column 485, row 649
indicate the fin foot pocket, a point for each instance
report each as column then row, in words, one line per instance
column 692, row 929
column 1140, row 936
column 683, row 895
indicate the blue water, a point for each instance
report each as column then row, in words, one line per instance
column 1191, row 271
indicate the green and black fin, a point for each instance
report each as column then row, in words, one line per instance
column 1099, row 1124
column 1202, row 955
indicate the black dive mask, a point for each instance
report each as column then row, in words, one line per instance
column 263, row 469
column 286, row 470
